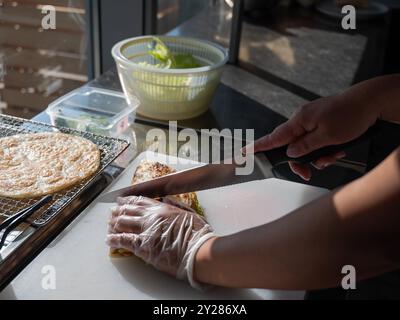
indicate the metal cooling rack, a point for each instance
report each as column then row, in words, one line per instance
column 110, row 149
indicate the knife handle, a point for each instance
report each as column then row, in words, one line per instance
column 278, row 156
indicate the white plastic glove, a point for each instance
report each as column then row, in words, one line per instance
column 164, row 235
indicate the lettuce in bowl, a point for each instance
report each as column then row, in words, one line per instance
column 159, row 51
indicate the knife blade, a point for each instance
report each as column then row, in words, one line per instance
column 209, row 176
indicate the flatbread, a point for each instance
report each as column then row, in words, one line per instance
column 149, row 170
column 37, row 164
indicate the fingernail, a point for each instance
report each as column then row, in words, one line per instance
column 292, row 151
column 247, row 149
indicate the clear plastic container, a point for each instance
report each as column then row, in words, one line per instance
column 99, row 111
column 169, row 94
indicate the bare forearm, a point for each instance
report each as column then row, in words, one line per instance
column 381, row 94
column 357, row 225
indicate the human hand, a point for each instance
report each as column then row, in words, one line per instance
column 162, row 234
column 326, row 121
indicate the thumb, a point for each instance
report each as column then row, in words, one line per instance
column 306, row 144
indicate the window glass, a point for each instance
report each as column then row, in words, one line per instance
column 172, row 13
column 38, row 64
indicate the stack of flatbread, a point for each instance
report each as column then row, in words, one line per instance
column 33, row 165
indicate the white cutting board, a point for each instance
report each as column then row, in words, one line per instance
column 84, row 270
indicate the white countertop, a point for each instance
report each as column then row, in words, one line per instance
column 83, row 269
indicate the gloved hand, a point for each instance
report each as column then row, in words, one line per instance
column 164, row 235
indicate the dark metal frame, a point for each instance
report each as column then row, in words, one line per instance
column 236, row 31
column 93, row 38
column 109, row 22
column 150, row 16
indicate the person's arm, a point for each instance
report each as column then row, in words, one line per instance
column 334, row 120
column 382, row 92
column 357, row 225
column 379, row 96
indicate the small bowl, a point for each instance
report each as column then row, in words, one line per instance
column 169, row 94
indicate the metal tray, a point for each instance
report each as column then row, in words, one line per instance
column 110, row 149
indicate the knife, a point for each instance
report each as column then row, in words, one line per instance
column 209, row 176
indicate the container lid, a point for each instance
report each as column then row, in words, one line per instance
column 100, row 107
